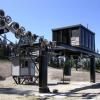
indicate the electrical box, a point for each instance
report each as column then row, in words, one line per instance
column 23, row 67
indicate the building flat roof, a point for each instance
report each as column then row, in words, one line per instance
column 72, row 26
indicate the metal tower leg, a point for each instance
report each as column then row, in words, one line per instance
column 67, row 68
column 92, row 69
column 43, row 64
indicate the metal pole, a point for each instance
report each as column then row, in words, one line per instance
column 63, row 74
column 19, row 80
column 1, row 31
column 67, row 67
column 43, row 72
column 92, row 69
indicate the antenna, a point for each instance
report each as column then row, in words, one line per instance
column 87, row 26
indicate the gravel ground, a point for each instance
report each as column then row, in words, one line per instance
column 80, row 75
column 78, row 89
column 5, row 69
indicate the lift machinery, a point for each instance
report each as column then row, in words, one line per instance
column 26, row 53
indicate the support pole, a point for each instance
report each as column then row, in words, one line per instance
column 92, row 69
column 43, row 72
column 76, row 63
column 1, row 31
column 67, row 67
column 19, row 80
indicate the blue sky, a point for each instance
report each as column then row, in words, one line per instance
column 40, row 16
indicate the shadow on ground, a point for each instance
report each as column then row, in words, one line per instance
column 72, row 93
column 15, row 91
column 77, row 92
column 2, row 78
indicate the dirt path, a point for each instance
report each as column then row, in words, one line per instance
column 78, row 89
column 80, row 75
column 5, row 69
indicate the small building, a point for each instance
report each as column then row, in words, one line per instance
column 76, row 35
column 23, row 68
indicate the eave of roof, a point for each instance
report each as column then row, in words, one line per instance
column 76, row 49
column 72, row 26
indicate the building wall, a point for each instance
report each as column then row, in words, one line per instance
column 67, row 36
column 76, row 36
column 87, row 39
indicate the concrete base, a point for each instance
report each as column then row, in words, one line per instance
column 44, row 90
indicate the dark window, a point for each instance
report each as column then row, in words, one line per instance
column 24, row 63
column 65, row 37
column 75, row 33
column 86, row 38
column 92, row 42
column 57, row 36
column 54, row 36
column 82, row 37
column 89, row 41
